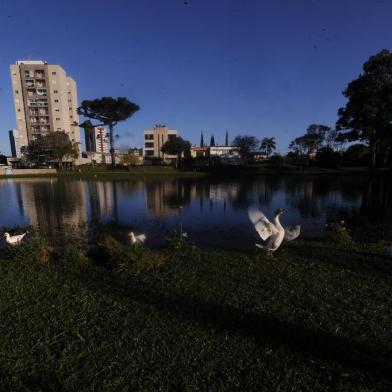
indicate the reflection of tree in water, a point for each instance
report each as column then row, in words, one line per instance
column 311, row 196
column 357, row 199
column 377, row 200
column 243, row 193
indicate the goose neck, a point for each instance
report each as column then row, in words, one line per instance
column 277, row 222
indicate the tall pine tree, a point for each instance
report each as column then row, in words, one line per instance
column 212, row 141
column 227, row 139
column 201, row 139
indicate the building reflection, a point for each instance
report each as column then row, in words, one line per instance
column 163, row 198
column 101, row 198
column 52, row 203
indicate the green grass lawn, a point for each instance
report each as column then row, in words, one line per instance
column 120, row 318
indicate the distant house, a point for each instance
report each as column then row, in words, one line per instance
column 258, row 156
column 223, row 150
column 197, row 152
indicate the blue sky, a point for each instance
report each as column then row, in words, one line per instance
column 265, row 68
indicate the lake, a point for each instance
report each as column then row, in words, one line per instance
column 213, row 213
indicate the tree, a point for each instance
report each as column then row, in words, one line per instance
column 316, row 135
column 108, row 111
column 227, row 138
column 355, row 154
column 312, row 141
column 55, row 146
column 130, row 160
column 176, row 146
column 246, row 144
column 212, row 141
column 268, row 145
column 367, row 115
column 201, row 139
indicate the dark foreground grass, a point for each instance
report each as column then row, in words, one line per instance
column 315, row 318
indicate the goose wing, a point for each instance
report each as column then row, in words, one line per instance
column 262, row 225
column 141, row 237
column 16, row 238
column 292, row 232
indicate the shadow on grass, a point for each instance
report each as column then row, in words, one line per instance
column 264, row 329
column 356, row 260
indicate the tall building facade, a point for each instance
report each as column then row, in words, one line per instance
column 97, row 140
column 14, row 142
column 45, row 101
column 154, row 140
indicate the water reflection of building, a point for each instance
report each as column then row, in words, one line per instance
column 52, row 203
column 101, row 199
column 221, row 192
column 161, row 198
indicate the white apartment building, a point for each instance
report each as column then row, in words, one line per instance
column 45, row 101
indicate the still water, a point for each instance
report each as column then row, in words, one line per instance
column 213, row 213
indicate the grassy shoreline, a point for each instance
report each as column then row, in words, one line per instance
column 117, row 318
column 167, row 172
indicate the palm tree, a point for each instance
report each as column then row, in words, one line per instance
column 268, row 145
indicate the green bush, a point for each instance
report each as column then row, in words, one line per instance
column 337, row 233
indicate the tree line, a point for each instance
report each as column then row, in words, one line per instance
column 365, row 119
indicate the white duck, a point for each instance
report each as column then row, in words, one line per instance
column 136, row 239
column 273, row 233
column 14, row 239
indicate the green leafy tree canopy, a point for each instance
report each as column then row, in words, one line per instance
column 55, row 146
column 268, row 145
column 367, row 115
column 176, row 146
column 246, row 144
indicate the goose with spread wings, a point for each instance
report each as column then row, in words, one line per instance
column 272, row 233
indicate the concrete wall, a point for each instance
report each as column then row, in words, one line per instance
column 24, row 172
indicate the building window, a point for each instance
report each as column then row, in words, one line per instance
column 53, row 73
column 57, row 118
column 149, row 145
column 18, row 110
column 57, row 110
column 55, row 91
column 149, row 137
column 149, row 153
column 56, row 100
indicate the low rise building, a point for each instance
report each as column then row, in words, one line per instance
column 223, row 150
column 197, row 152
column 154, row 140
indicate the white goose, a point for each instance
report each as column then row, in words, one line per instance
column 14, row 239
column 136, row 239
column 275, row 233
